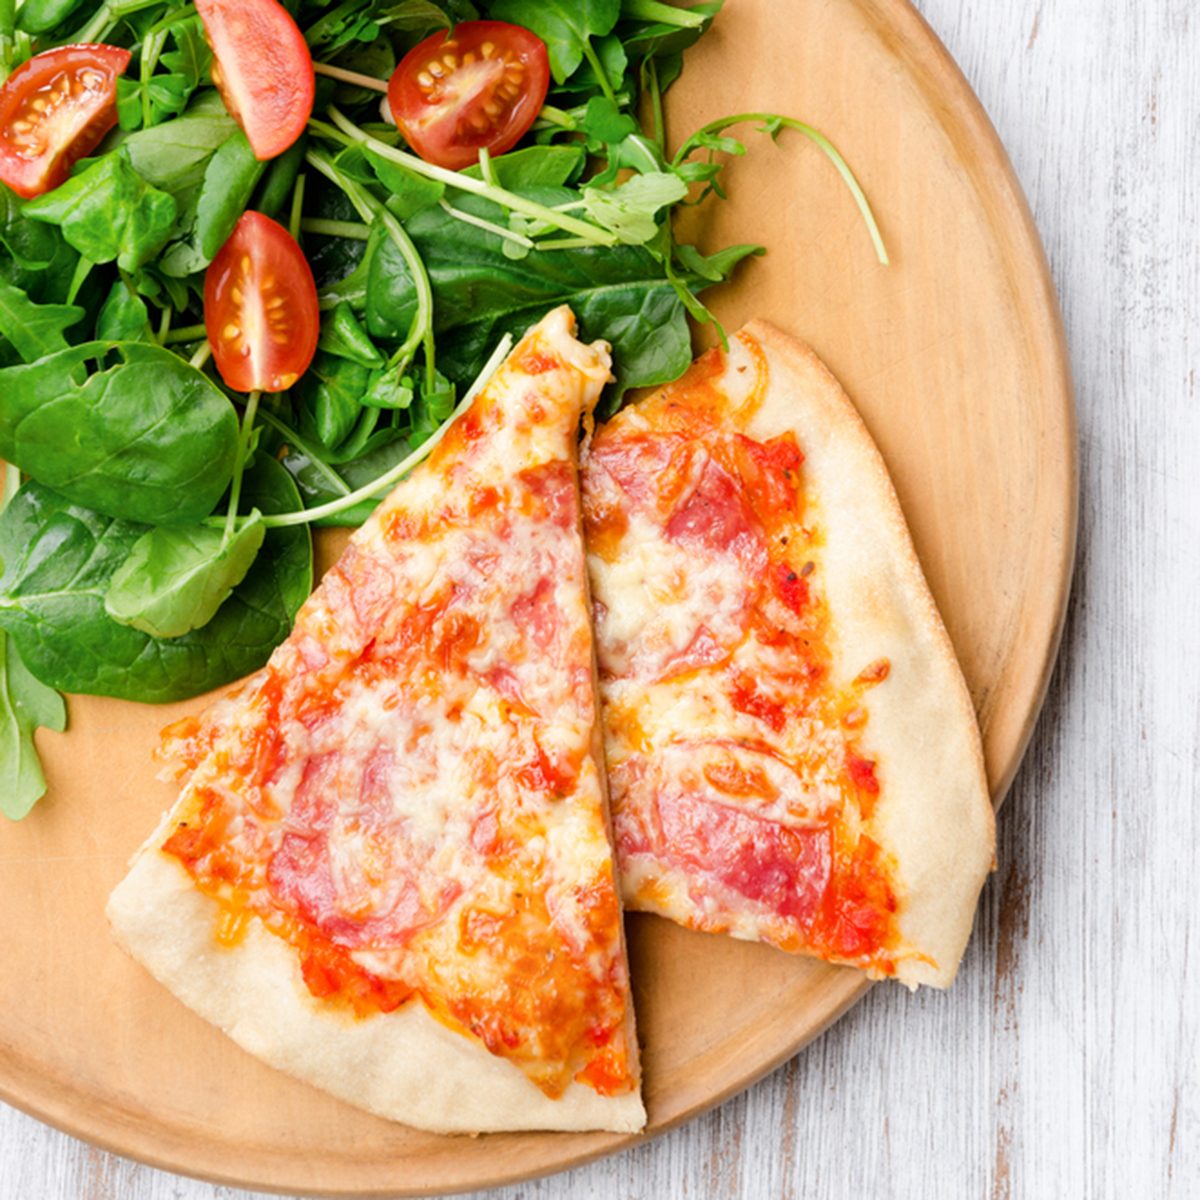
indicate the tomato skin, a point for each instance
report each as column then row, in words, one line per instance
column 260, row 307
column 66, row 101
column 480, row 85
column 263, row 69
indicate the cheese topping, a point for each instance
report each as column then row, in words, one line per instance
column 406, row 792
column 741, row 799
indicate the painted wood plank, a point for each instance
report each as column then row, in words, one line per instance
column 1065, row 1060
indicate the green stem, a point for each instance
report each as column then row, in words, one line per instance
column 202, row 355
column 12, row 481
column 239, row 465
column 343, row 229
column 421, row 330
column 296, row 217
column 589, row 52
column 286, row 431
column 485, row 167
column 490, row 226
column 8, row 25
column 152, row 47
column 354, row 77
column 185, row 333
column 164, row 325
column 389, row 479
column 814, row 135
column 650, row 68
column 349, row 133
column 661, row 14
column 107, row 16
column 556, row 116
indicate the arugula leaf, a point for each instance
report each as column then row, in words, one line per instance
column 108, row 211
column 174, row 580
column 191, row 57
column 25, row 704
column 566, row 26
column 34, row 329
column 147, row 438
column 631, row 210
column 618, row 293
column 59, row 562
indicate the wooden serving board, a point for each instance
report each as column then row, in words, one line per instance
column 955, row 357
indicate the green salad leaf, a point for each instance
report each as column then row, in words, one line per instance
column 108, row 211
column 26, row 704
column 59, row 562
column 144, row 436
column 35, row 329
column 174, row 580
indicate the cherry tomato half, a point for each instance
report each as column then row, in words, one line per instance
column 260, row 307
column 54, row 109
column 262, row 68
column 480, row 85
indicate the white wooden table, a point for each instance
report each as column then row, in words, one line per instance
column 1065, row 1061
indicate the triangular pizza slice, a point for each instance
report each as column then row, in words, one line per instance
column 793, row 756
column 389, row 871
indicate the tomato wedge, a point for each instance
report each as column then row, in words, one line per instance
column 54, row 109
column 260, row 307
column 480, row 85
column 263, row 70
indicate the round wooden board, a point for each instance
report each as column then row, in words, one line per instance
column 955, row 357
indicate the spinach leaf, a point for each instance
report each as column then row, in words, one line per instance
column 109, row 211
column 148, row 438
column 566, row 26
column 174, row 580
column 277, row 187
column 124, row 316
column 331, row 394
column 40, row 16
column 229, row 180
column 619, row 293
column 230, row 177
column 409, row 193
column 535, row 166
column 59, row 563
column 25, row 704
column 34, row 329
column 343, row 336
column 173, row 155
column 34, row 258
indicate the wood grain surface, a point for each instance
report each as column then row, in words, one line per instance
column 1064, row 1062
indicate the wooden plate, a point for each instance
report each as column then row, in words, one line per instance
column 955, row 356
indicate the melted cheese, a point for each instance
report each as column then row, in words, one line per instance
column 408, row 787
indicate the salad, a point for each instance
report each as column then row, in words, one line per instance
column 252, row 256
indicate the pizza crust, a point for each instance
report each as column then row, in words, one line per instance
column 403, row 1065
column 934, row 813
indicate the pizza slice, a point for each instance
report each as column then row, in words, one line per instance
column 792, row 752
column 389, row 871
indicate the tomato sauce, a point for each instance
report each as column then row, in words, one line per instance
column 792, row 846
